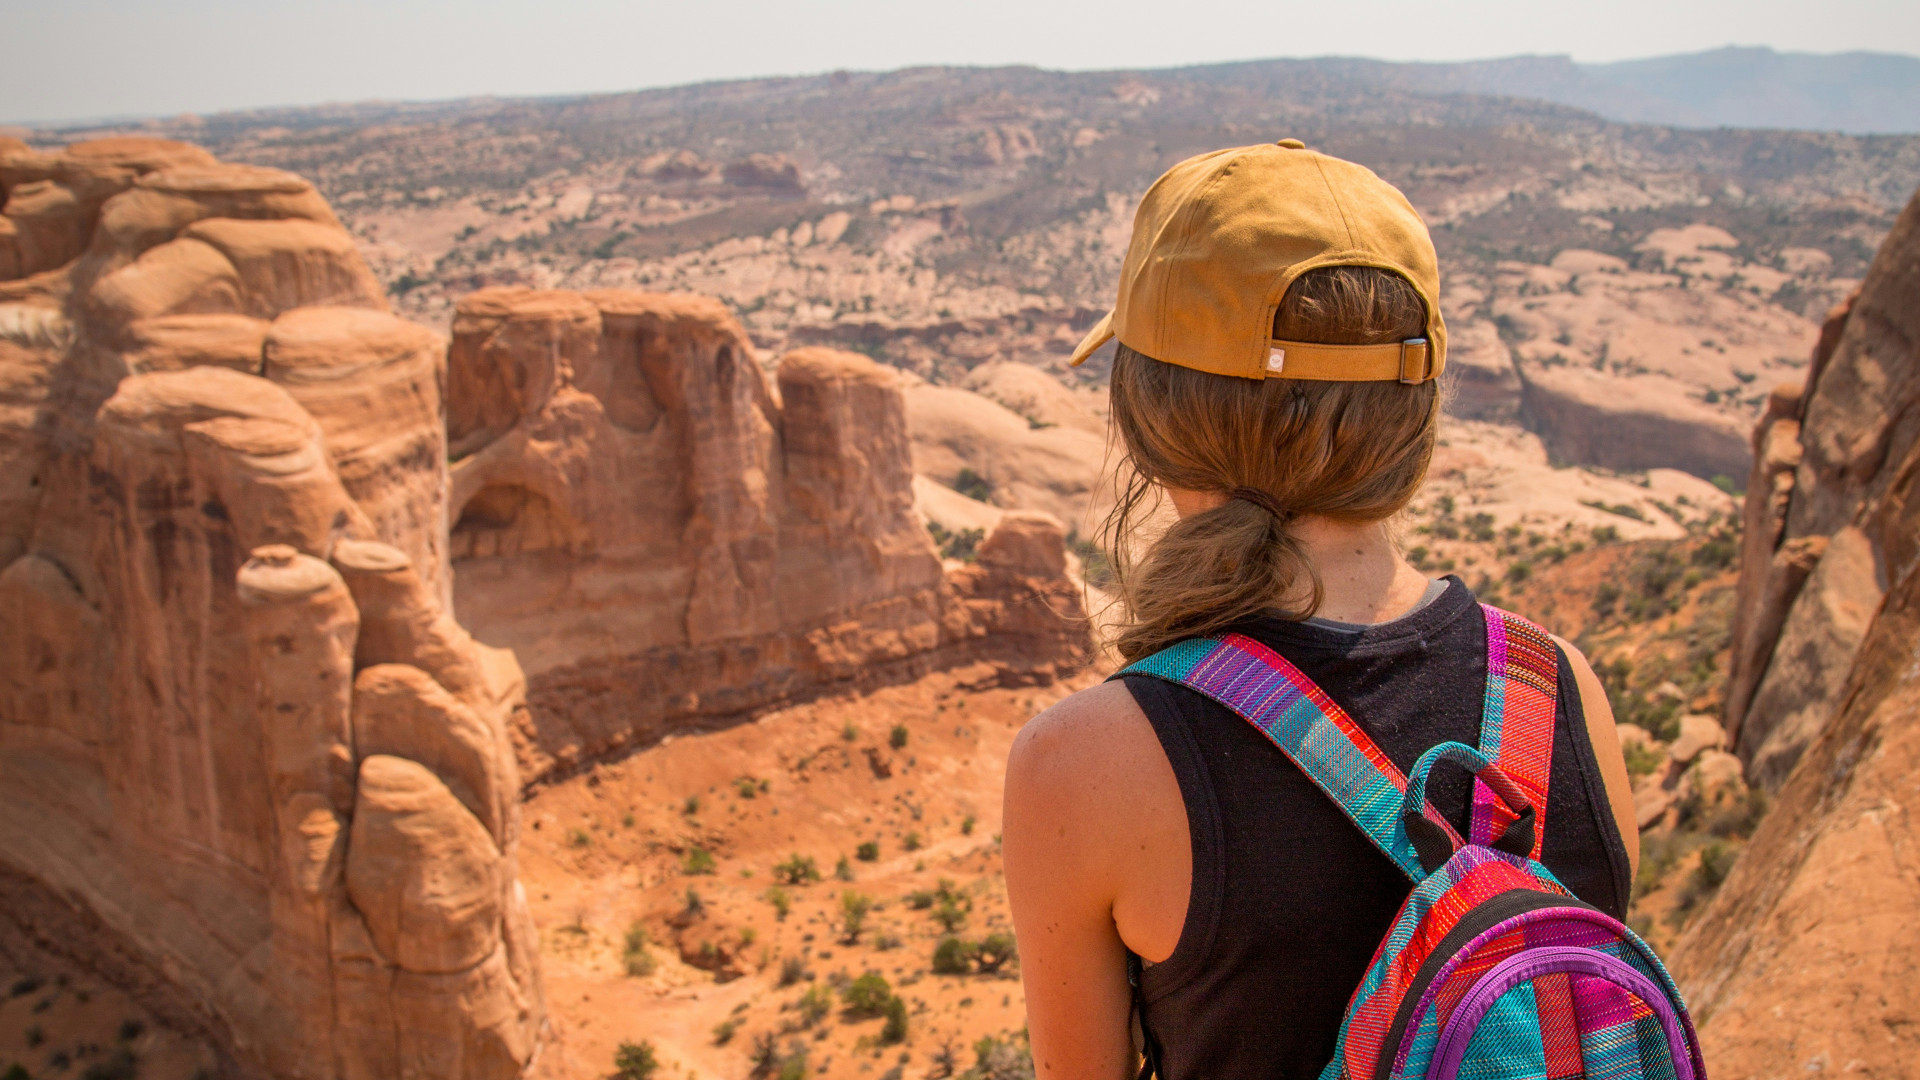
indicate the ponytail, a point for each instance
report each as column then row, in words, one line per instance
column 1211, row 570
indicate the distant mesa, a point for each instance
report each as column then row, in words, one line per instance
column 773, row 172
column 754, row 172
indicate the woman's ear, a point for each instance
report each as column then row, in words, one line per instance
column 1188, row 503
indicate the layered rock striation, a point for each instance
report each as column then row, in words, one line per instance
column 1804, row 960
column 668, row 538
column 246, row 753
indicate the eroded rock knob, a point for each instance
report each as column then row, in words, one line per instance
column 277, row 573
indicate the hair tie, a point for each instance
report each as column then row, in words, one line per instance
column 1263, row 500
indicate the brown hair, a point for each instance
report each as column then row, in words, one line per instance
column 1353, row 452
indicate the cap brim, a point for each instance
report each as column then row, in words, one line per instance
column 1101, row 333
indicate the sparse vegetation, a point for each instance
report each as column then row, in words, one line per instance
column 895, row 1029
column 1001, row 1059
column 697, row 861
column 781, row 900
column 988, row 956
column 1642, row 759
column 635, row 955
column 994, row 951
column 973, row 485
column 770, row 1064
column 866, row 997
column 815, row 1004
column 951, row 912
column 897, row 738
column 953, row 544
column 952, row 956
column 854, row 907
column 1625, row 510
column 792, row 970
column 635, row 1061
column 868, row 851
column 798, row 870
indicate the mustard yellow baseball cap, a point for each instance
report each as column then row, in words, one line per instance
column 1219, row 239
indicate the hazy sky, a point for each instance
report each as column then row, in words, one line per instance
column 90, row 58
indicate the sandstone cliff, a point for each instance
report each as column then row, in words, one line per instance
column 247, row 758
column 1822, row 525
column 1804, row 961
column 667, row 538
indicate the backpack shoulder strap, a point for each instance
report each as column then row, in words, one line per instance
column 1273, row 695
column 1516, row 726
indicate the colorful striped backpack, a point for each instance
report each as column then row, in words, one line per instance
column 1492, row 970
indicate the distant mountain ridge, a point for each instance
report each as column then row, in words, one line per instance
column 1855, row 92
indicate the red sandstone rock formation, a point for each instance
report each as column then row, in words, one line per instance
column 1804, row 961
column 665, row 539
column 1821, row 543
column 241, row 736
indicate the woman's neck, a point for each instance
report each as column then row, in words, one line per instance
column 1363, row 578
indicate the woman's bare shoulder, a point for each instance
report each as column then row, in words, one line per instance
column 1085, row 723
column 1087, row 785
column 1085, row 748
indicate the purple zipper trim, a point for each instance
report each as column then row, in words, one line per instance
column 1532, row 964
column 1427, row 999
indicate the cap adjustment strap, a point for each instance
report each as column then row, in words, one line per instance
column 1409, row 362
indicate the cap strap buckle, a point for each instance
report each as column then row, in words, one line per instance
column 1416, row 361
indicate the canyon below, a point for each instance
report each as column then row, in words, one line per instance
column 546, row 588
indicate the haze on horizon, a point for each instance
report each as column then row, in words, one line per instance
column 89, row 59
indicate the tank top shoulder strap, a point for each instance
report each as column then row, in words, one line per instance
column 1310, row 728
column 1516, row 725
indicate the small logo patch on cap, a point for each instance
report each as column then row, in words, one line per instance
column 1276, row 360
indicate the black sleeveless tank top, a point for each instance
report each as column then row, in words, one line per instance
column 1289, row 898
